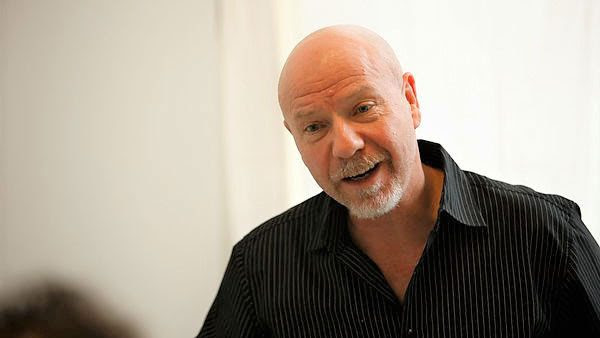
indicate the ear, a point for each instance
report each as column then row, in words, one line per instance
column 410, row 93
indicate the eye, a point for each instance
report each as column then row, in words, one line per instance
column 313, row 128
column 363, row 108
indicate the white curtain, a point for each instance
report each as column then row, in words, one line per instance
column 253, row 133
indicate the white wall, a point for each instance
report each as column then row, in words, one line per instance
column 111, row 154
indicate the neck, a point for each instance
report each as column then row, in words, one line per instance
column 410, row 222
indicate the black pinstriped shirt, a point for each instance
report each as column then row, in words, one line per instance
column 502, row 261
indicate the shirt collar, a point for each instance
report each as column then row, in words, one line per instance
column 458, row 200
column 330, row 226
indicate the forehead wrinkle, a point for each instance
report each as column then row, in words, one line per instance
column 358, row 90
column 294, row 103
column 319, row 91
column 342, row 94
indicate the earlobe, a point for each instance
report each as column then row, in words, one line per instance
column 416, row 116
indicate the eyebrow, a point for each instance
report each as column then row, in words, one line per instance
column 301, row 114
column 361, row 90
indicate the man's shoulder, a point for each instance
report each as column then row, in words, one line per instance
column 292, row 226
column 519, row 200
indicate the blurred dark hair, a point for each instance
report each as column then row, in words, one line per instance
column 53, row 310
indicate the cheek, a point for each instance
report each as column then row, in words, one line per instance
column 399, row 129
column 387, row 137
column 397, row 139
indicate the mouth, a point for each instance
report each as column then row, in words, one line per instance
column 361, row 176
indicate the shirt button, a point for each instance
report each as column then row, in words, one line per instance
column 411, row 333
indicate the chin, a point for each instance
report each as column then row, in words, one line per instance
column 374, row 204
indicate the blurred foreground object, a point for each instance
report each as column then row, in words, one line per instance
column 53, row 310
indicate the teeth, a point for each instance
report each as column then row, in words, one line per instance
column 357, row 175
column 358, row 178
column 361, row 175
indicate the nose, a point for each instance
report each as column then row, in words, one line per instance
column 346, row 140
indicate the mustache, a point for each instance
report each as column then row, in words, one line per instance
column 358, row 165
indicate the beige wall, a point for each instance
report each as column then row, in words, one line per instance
column 110, row 154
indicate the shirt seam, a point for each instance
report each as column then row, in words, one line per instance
column 541, row 196
column 568, row 262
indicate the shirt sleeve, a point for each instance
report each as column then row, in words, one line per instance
column 232, row 313
column 578, row 299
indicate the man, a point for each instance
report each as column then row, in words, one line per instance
column 402, row 243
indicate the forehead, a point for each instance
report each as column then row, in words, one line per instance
column 324, row 68
column 333, row 73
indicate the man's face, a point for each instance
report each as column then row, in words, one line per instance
column 354, row 128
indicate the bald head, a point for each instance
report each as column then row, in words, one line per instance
column 317, row 59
